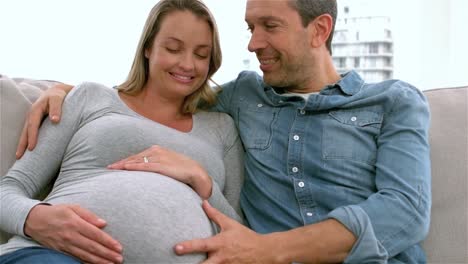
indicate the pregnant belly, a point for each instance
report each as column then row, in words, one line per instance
column 146, row 212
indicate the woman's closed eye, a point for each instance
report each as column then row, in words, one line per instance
column 172, row 50
column 202, row 55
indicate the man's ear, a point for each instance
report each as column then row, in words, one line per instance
column 320, row 29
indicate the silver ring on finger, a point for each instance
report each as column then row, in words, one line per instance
column 145, row 159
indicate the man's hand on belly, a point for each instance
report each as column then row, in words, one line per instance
column 73, row 230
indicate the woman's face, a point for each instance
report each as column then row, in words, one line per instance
column 179, row 57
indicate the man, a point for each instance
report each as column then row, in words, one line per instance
column 336, row 170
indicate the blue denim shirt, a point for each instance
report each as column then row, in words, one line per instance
column 354, row 152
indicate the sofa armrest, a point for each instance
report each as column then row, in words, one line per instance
column 447, row 241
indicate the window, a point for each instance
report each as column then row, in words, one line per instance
column 342, row 63
column 373, row 48
column 246, row 63
column 357, row 62
column 388, row 34
column 340, row 36
column 388, row 62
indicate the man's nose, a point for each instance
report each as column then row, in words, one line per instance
column 257, row 41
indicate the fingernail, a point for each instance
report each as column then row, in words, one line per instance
column 17, row 155
column 101, row 221
column 179, row 248
column 120, row 259
column 119, row 248
column 54, row 118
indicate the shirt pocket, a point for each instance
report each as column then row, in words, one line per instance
column 256, row 125
column 351, row 134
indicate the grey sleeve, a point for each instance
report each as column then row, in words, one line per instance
column 234, row 164
column 227, row 200
column 34, row 171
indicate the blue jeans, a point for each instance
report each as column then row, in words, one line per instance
column 37, row 255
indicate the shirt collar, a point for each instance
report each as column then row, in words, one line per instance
column 350, row 83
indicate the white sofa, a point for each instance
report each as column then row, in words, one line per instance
column 447, row 242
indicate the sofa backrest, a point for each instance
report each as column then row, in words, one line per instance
column 448, row 235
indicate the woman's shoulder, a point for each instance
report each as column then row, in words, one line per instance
column 92, row 88
column 92, row 98
column 92, row 92
column 216, row 119
column 220, row 124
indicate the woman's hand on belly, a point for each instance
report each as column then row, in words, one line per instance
column 169, row 163
column 73, row 230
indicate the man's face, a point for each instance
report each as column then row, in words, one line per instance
column 280, row 42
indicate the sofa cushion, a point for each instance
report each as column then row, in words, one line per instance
column 447, row 241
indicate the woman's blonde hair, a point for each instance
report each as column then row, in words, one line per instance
column 138, row 75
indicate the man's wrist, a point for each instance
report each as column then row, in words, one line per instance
column 275, row 245
column 324, row 242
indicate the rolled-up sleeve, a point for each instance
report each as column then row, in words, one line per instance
column 397, row 215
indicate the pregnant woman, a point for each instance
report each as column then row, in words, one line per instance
column 148, row 212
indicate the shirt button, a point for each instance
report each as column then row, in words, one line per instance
column 260, row 105
column 353, row 119
column 296, row 137
column 302, row 112
column 301, row 184
column 295, row 169
column 310, row 214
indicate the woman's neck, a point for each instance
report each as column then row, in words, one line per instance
column 165, row 111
